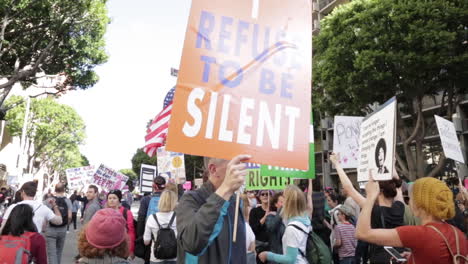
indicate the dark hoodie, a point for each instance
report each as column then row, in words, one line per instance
column 205, row 223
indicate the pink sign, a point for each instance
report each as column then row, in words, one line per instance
column 187, row 185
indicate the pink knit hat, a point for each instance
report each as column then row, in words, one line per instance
column 106, row 229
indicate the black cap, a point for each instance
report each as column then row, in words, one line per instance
column 118, row 193
column 160, row 182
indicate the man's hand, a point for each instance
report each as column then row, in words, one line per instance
column 235, row 176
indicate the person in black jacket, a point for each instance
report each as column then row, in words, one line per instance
column 257, row 220
column 148, row 206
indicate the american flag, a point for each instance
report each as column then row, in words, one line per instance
column 157, row 130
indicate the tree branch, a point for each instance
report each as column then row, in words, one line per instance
column 418, row 122
column 401, row 164
column 5, row 23
column 439, row 166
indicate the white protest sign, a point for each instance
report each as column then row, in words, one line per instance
column 377, row 144
column 109, row 179
column 346, row 136
column 147, row 174
column 171, row 165
column 77, row 178
column 449, row 139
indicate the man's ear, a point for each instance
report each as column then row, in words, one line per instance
column 211, row 169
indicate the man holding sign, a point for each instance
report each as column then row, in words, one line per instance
column 205, row 217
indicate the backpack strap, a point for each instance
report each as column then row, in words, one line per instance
column 156, row 219
column 298, row 228
column 172, row 220
column 457, row 243
column 38, row 208
column 125, row 212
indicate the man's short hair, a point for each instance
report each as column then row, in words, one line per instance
column 94, row 187
column 29, row 188
column 60, row 188
column 208, row 160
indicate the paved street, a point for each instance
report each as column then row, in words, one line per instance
column 71, row 247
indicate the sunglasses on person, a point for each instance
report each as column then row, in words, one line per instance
column 264, row 194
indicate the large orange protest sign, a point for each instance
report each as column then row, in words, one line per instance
column 245, row 81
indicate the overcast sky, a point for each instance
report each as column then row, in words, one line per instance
column 144, row 40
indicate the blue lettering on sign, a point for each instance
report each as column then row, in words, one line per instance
column 286, row 85
column 205, row 28
column 241, row 38
column 233, row 36
column 224, row 34
column 255, row 44
column 206, row 68
column 267, row 86
column 280, row 57
column 237, row 76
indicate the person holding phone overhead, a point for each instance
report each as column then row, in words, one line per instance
column 434, row 242
column 387, row 213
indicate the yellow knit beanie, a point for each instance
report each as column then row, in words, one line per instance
column 434, row 197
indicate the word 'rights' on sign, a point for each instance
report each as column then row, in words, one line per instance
column 244, row 82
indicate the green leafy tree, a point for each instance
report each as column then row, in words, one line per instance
column 369, row 51
column 140, row 157
column 193, row 166
column 130, row 173
column 54, row 132
column 56, row 37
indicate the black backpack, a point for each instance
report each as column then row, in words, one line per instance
column 63, row 208
column 165, row 246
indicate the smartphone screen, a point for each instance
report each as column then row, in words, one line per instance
column 395, row 254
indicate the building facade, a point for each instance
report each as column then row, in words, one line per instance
column 431, row 106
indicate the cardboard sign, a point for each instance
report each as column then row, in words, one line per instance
column 244, row 84
column 198, row 182
column 78, row 178
column 255, row 181
column 147, row 175
column 171, row 165
column 377, row 143
column 268, row 170
column 449, row 139
column 109, row 179
column 346, row 136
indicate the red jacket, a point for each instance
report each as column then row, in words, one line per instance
column 130, row 228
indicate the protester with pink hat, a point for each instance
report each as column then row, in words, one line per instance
column 104, row 239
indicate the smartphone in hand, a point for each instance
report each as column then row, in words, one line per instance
column 394, row 253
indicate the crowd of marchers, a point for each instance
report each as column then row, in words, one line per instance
column 387, row 222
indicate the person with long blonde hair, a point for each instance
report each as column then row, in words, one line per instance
column 165, row 217
column 296, row 212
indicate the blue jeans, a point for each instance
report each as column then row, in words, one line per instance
column 347, row 260
column 55, row 239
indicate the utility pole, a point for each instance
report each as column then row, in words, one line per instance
column 21, row 157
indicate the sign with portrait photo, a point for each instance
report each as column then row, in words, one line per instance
column 377, row 143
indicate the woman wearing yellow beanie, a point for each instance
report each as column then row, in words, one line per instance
column 434, row 242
